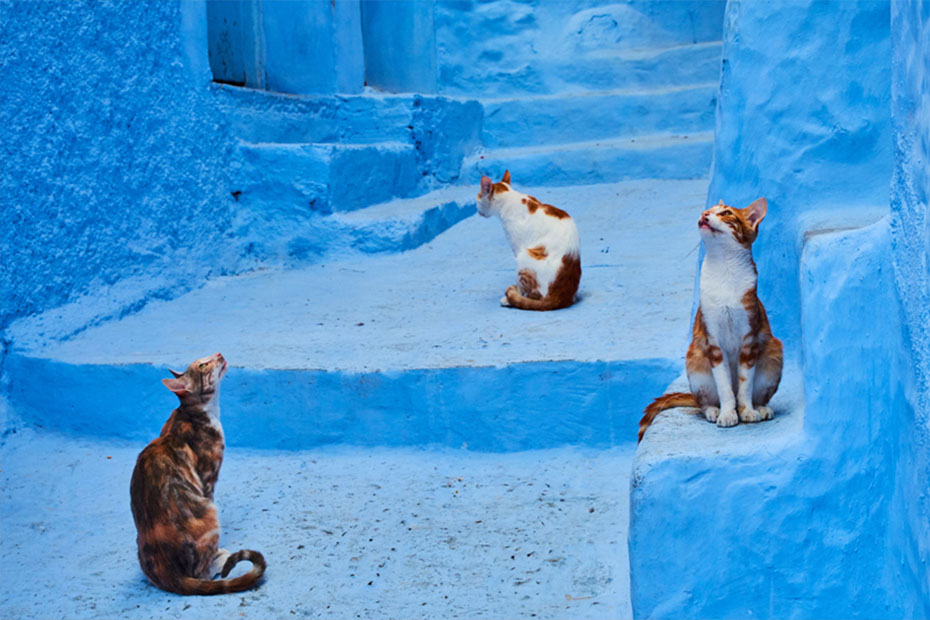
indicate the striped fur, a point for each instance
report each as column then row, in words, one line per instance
column 171, row 493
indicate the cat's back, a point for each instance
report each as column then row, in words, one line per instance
column 162, row 465
column 548, row 225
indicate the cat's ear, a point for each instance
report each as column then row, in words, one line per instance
column 755, row 212
column 506, row 177
column 487, row 186
column 176, row 373
column 178, row 386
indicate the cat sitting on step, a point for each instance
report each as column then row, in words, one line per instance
column 171, row 492
column 734, row 362
column 544, row 241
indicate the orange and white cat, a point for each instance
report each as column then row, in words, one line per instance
column 544, row 240
column 734, row 363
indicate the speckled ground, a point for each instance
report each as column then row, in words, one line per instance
column 374, row 533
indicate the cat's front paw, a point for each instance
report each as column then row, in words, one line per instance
column 727, row 418
column 748, row 414
column 766, row 412
column 711, row 413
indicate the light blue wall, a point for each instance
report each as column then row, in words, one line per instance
column 823, row 108
column 400, row 46
column 515, row 46
column 802, row 119
column 313, row 47
column 113, row 158
column 794, row 527
column 910, row 221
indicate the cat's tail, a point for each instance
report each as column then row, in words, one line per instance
column 515, row 299
column 190, row 585
column 561, row 293
column 666, row 401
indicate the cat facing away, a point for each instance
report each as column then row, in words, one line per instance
column 545, row 242
column 734, row 363
column 171, row 492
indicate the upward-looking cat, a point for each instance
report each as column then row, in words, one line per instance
column 734, row 363
column 171, row 492
column 544, row 241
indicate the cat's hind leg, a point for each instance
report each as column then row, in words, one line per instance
column 767, row 377
column 219, row 561
column 701, row 380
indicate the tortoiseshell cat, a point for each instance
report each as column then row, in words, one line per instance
column 544, row 241
column 734, row 363
column 171, row 492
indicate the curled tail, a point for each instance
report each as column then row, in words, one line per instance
column 667, row 401
column 561, row 292
column 515, row 299
column 190, row 585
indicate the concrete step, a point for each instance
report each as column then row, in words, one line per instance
column 263, row 116
column 556, row 119
column 663, row 156
column 323, row 178
column 637, row 68
column 275, row 233
column 406, row 348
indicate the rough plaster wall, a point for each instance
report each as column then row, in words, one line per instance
column 838, row 525
column 802, row 119
column 910, row 206
column 113, row 159
column 491, row 48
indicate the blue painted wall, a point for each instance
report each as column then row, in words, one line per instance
column 313, row 47
column 114, row 160
column 823, row 109
column 517, row 46
column 910, row 244
column 400, row 46
column 802, row 119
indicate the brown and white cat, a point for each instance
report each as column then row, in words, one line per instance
column 544, row 241
column 734, row 363
column 171, row 492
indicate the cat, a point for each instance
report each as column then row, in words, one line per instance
column 734, row 363
column 544, row 241
column 171, row 492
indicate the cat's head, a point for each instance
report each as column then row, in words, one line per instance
column 201, row 380
column 725, row 224
column 489, row 190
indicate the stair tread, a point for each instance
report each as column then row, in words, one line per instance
column 616, row 92
column 633, row 143
column 435, row 306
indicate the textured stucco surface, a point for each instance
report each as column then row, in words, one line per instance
column 114, row 163
column 825, row 514
column 540, row 46
column 910, row 209
column 790, row 518
column 802, row 119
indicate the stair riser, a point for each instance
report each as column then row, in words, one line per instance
column 286, row 238
column 529, row 122
column 684, row 65
column 487, row 409
column 598, row 165
column 257, row 116
column 325, row 178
